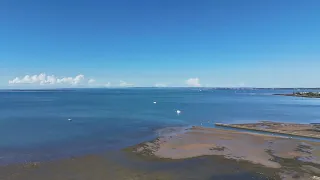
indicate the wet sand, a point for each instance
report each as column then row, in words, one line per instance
column 198, row 153
column 103, row 167
column 91, row 167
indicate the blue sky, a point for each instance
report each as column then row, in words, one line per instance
column 159, row 42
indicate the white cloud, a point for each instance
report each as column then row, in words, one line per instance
column 108, row 84
column 160, row 85
column 43, row 79
column 91, row 81
column 70, row 80
column 193, row 82
column 242, row 84
column 125, row 84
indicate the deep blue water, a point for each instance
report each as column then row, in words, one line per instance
column 34, row 124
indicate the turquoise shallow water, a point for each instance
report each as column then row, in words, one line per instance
column 34, row 125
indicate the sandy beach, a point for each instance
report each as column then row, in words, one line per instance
column 195, row 153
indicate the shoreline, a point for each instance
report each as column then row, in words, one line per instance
column 296, row 95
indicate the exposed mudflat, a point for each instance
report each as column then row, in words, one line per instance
column 290, row 157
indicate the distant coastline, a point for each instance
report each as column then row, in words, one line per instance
column 302, row 94
column 151, row 87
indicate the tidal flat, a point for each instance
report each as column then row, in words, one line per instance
column 277, row 157
column 194, row 153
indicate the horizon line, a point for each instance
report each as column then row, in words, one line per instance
column 137, row 87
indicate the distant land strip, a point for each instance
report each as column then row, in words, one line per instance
column 302, row 94
column 298, row 130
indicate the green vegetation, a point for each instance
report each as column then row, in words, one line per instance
column 303, row 94
column 308, row 94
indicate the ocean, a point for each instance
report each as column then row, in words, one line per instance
column 40, row 125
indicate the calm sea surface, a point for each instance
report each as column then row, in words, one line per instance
column 35, row 125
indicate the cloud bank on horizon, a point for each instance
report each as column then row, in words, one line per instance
column 91, row 81
column 160, row 85
column 43, row 79
column 193, row 82
column 125, row 84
